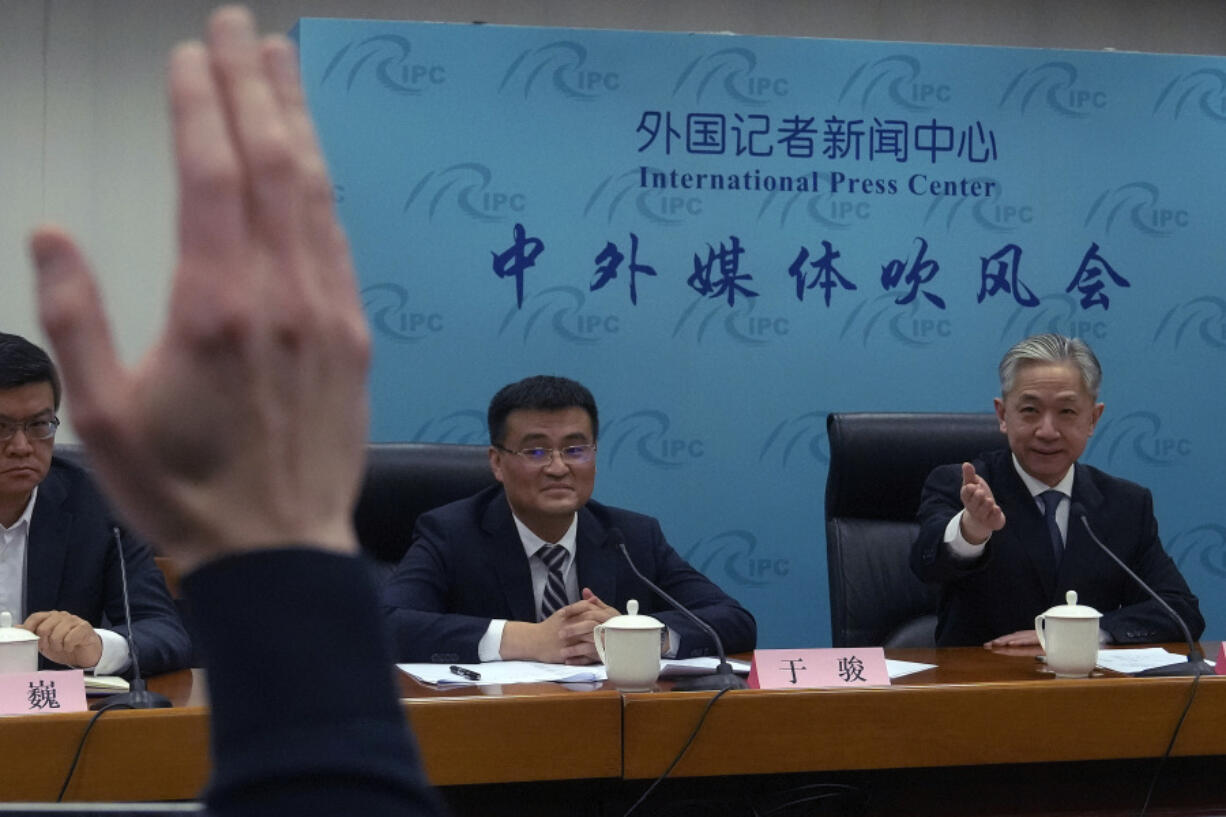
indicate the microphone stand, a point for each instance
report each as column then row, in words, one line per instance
column 137, row 696
column 1195, row 665
column 723, row 677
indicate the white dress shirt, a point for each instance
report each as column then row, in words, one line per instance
column 13, row 544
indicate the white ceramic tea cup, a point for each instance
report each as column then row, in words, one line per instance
column 1068, row 634
column 18, row 647
column 629, row 646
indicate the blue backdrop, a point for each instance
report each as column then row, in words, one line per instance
column 727, row 237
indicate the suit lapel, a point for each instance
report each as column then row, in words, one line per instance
column 598, row 563
column 506, row 554
column 47, row 547
column 1079, row 550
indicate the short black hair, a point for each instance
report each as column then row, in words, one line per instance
column 538, row 393
column 22, row 363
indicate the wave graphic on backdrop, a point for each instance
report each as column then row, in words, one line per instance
column 888, row 77
column 649, row 434
column 1050, row 82
column 559, row 309
column 387, row 57
column 1138, row 433
column 1200, row 548
column 1134, row 200
column 460, row 186
column 1205, row 317
column 731, row 554
column 728, row 69
column 465, row 427
column 1203, row 91
column 805, row 434
column 557, row 66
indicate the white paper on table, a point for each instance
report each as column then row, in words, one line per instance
column 898, row 669
column 505, row 672
column 528, row 672
column 1131, row 661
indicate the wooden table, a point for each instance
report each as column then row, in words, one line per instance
column 978, row 710
column 977, row 707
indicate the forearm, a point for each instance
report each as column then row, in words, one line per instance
column 301, row 715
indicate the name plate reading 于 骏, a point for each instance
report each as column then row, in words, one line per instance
column 1219, row 666
column 813, row 668
column 33, row 693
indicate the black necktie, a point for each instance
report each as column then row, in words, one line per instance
column 1051, row 501
column 554, row 597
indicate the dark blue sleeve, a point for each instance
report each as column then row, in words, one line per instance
column 416, row 605
column 305, row 717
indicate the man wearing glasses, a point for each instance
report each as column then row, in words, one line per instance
column 59, row 569
column 526, row 569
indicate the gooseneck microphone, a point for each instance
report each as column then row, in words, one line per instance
column 137, row 696
column 723, row 677
column 1195, row 665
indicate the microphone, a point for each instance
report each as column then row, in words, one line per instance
column 723, row 677
column 137, row 696
column 1195, row 665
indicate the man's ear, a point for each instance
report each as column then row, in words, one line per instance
column 496, row 462
column 1096, row 413
column 1000, row 413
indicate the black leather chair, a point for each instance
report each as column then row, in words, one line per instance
column 403, row 481
column 878, row 464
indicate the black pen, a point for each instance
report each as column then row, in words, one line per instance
column 465, row 673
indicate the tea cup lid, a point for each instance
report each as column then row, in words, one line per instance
column 632, row 620
column 10, row 634
column 1071, row 609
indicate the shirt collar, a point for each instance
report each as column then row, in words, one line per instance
column 1036, row 487
column 532, row 543
column 25, row 515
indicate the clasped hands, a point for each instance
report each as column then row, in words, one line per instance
column 566, row 637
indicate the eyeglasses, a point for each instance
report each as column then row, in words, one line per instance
column 571, row 454
column 34, row 429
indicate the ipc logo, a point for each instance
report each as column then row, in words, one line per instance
column 732, row 71
column 650, row 435
column 800, row 436
column 1058, row 313
column 1139, row 434
column 1202, row 547
column 1136, row 205
column 739, row 322
column 825, row 209
column 1200, row 319
column 897, row 79
column 988, row 213
column 1053, row 83
column 467, row 188
column 734, row 554
column 560, row 310
column 387, row 305
column 625, row 194
column 1200, row 92
column 561, row 68
column 916, row 324
column 387, row 59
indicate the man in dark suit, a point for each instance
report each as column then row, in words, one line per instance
column 997, row 532
column 59, row 567
column 525, row 570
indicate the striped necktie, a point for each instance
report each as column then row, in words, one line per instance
column 554, row 597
